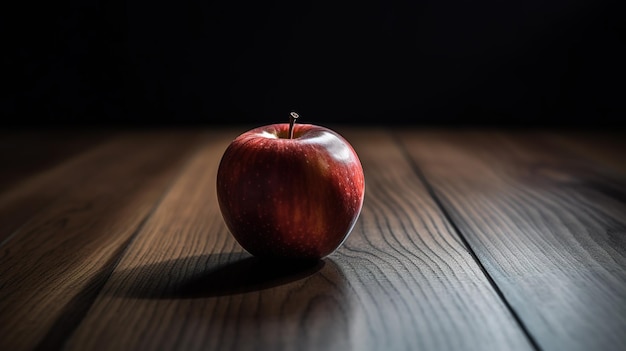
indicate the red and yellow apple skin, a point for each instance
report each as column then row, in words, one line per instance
column 287, row 198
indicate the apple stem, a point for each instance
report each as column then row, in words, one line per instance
column 292, row 121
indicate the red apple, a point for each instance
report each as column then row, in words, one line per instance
column 290, row 191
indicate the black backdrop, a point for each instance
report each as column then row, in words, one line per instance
column 455, row 62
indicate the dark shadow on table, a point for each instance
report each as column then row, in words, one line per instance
column 212, row 275
column 306, row 303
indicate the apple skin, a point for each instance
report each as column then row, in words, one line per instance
column 287, row 198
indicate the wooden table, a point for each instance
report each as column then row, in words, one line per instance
column 468, row 240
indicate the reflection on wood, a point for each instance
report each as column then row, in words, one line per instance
column 402, row 280
column 121, row 246
column 545, row 227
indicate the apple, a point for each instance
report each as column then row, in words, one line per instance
column 290, row 191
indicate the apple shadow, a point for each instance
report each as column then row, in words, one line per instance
column 281, row 305
column 208, row 276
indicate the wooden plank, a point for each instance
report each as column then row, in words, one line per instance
column 26, row 198
column 542, row 226
column 607, row 149
column 402, row 281
column 26, row 153
column 602, row 155
column 51, row 272
column 31, row 180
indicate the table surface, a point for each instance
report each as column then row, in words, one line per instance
column 468, row 240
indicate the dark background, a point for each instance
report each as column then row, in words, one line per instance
column 427, row 62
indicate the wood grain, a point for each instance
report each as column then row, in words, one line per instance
column 24, row 153
column 540, row 221
column 606, row 149
column 33, row 182
column 402, row 281
column 26, row 198
column 51, row 270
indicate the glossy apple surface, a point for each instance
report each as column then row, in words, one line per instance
column 290, row 198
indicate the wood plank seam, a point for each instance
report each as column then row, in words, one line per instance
column 439, row 202
column 402, row 282
column 63, row 328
